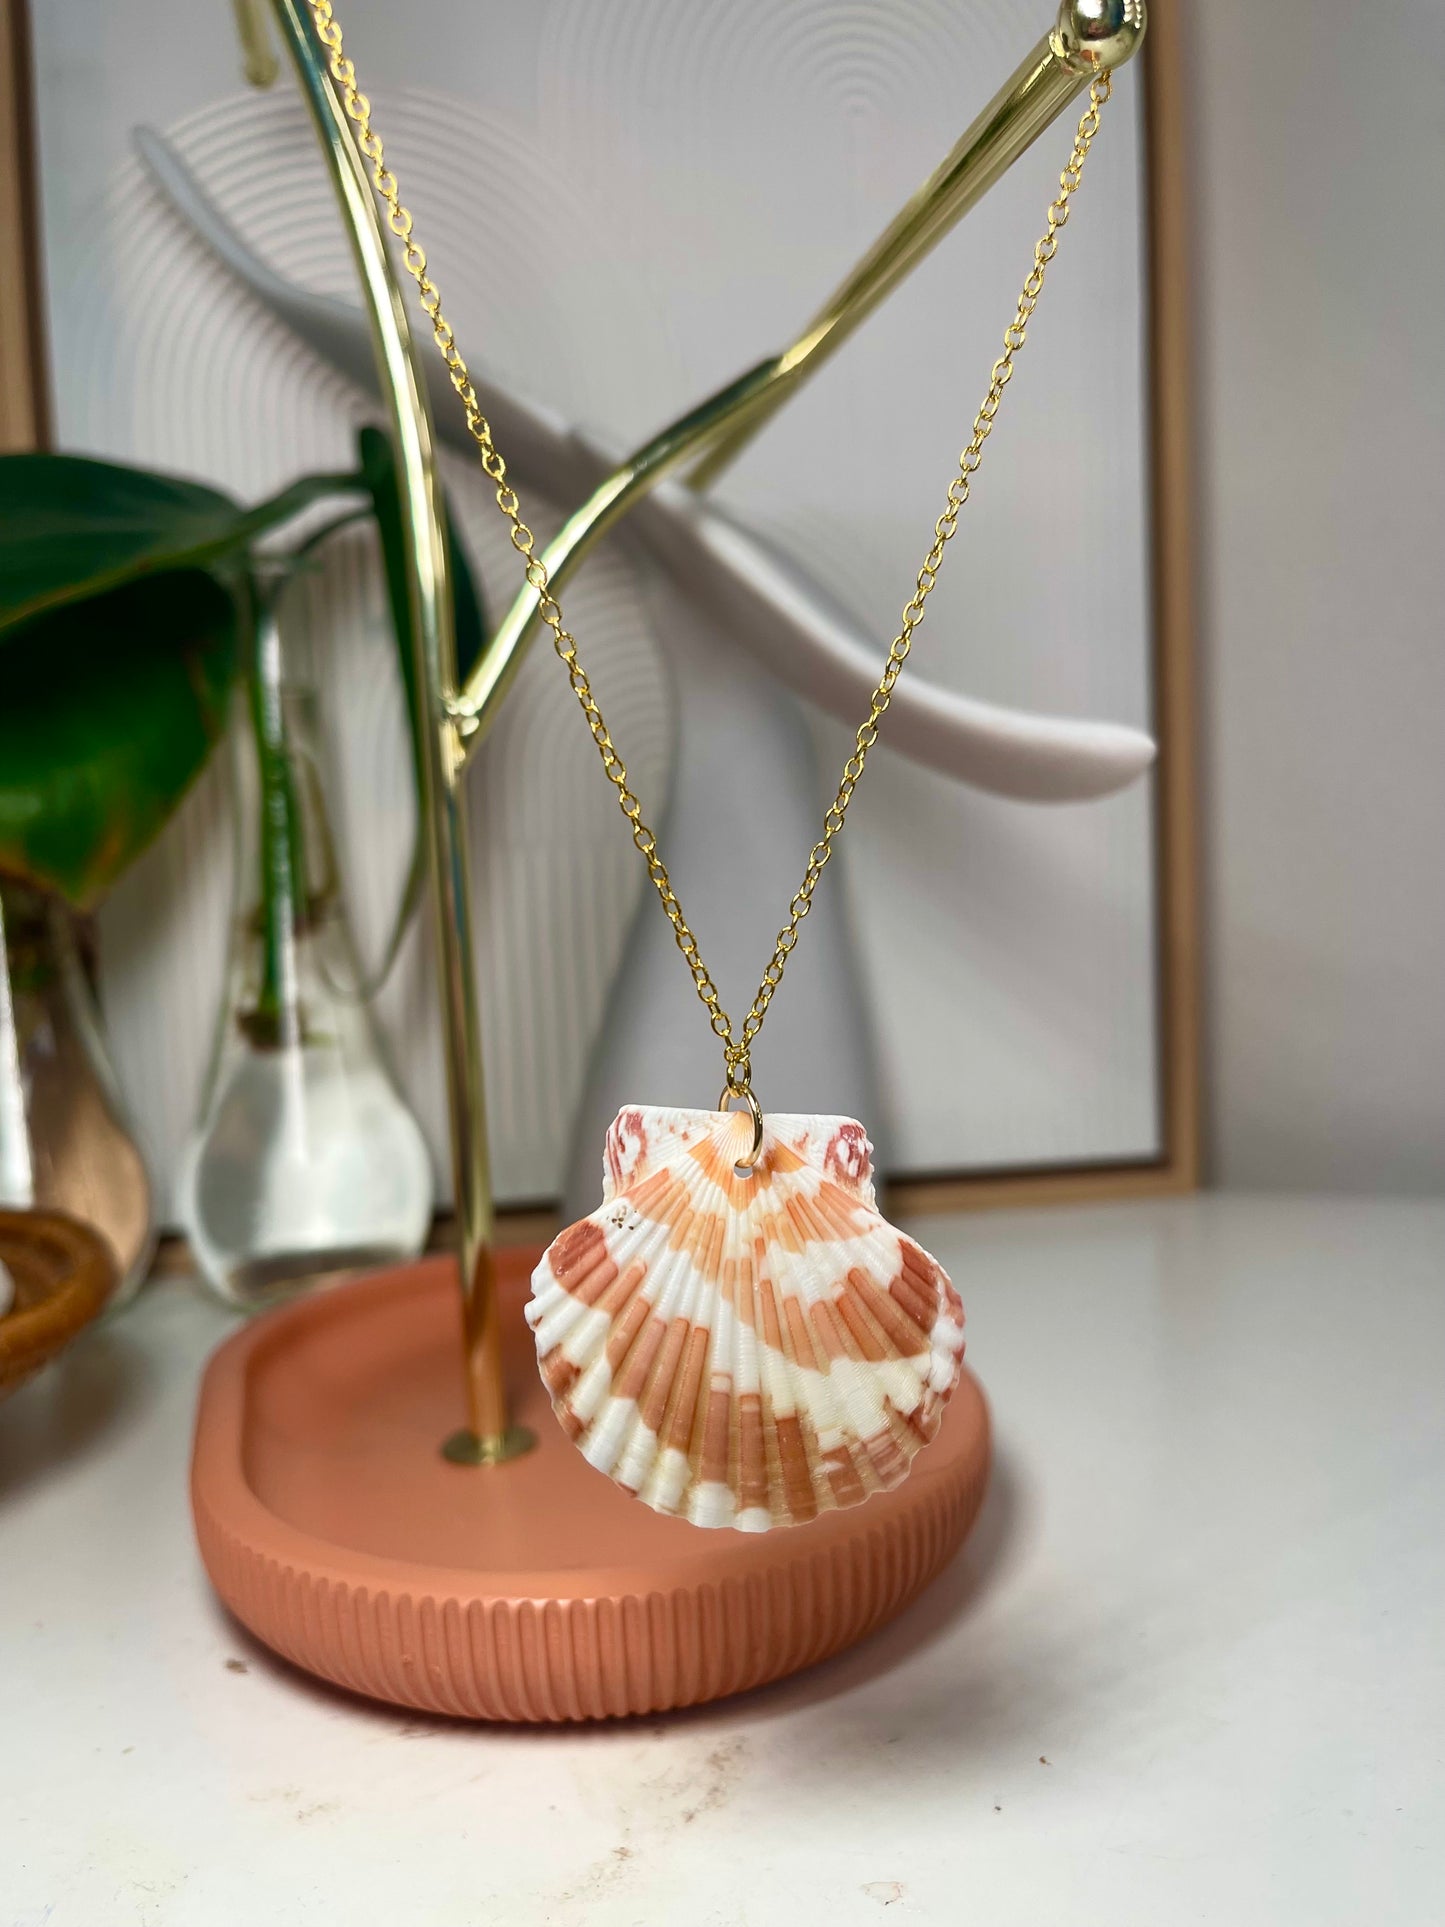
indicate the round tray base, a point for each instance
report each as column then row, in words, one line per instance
column 333, row 1527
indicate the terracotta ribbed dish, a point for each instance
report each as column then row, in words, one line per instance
column 333, row 1528
column 63, row 1273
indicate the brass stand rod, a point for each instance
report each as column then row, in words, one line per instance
column 475, row 709
column 424, row 534
column 1028, row 102
column 1088, row 35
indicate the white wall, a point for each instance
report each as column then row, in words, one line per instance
column 1321, row 140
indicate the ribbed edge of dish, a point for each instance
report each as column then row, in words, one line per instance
column 539, row 1660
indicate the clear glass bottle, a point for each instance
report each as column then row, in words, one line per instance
column 306, row 1164
column 66, row 1143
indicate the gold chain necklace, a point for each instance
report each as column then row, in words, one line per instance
column 737, row 1047
column 736, row 1336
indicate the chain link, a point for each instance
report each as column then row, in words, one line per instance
column 737, row 1047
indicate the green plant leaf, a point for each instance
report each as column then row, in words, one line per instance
column 378, row 466
column 71, row 528
column 108, row 711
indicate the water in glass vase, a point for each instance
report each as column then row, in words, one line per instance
column 306, row 1164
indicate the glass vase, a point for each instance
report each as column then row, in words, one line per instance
column 306, row 1164
column 66, row 1143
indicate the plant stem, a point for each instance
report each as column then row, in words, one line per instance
column 275, row 1019
column 363, row 513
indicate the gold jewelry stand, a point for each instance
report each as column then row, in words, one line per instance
column 326, row 1520
column 1088, row 35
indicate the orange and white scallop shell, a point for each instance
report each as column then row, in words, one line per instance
column 744, row 1348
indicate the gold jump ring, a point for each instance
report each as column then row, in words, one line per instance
column 755, row 1110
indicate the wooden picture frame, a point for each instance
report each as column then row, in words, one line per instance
column 1171, row 460
column 24, row 424
column 23, row 388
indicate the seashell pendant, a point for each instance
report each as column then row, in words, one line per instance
column 744, row 1348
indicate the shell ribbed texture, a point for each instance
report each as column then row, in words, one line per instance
column 744, row 1348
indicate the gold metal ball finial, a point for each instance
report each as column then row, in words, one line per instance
column 1092, row 34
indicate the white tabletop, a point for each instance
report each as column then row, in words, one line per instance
column 1189, row 1669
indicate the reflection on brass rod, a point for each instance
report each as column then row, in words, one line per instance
column 1088, row 34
